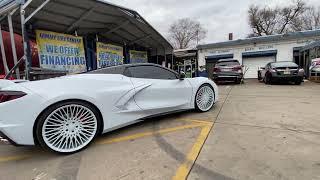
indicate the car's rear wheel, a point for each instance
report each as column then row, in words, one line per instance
column 238, row 81
column 204, row 100
column 68, row 127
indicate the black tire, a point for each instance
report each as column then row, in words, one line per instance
column 268, row 79
column 238, row 81
column 298, row 82
column 49, row 110
column 195, row 101
column 259, row 76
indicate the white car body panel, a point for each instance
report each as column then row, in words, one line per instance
column 121, row 100
column 161, row 95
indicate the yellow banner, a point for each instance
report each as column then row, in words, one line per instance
column 61, row 52
column 109, row 55
column 138, row 56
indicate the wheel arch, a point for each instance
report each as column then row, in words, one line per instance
column 203, row 84
column 206, row 83
column 36, row 141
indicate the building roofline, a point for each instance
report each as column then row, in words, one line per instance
column 262, row 39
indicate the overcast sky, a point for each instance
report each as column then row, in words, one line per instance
column 219, row 17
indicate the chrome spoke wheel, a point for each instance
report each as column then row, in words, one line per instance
column 69, row 128
column 205, row 98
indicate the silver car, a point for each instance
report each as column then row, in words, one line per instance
column 284, row 71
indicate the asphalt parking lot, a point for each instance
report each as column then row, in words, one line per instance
column 256, row 131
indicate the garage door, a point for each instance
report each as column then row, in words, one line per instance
column 253, row 64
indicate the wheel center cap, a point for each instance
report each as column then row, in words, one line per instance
column 205, row 97
column 72, row 127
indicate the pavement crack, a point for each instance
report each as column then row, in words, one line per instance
column 225, row 100
column 268, row 127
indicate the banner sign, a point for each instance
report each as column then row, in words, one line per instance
column 138, row 56
column 61, row 52
column 109, row 55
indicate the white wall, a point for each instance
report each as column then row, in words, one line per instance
column 284, row 48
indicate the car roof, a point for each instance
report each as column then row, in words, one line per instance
column 124, row 66
column 136, row 64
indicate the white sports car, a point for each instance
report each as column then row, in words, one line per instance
column 65, row 114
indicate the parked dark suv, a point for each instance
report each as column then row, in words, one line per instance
column 228, row 70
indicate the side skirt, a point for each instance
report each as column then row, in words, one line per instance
column 143, row 119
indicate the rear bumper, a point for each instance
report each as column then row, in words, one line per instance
column 227, row 76
column 287, row 78
column 17, row 118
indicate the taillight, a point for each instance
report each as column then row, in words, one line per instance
column 216, row 69
column 10, row 95
column 236, row 68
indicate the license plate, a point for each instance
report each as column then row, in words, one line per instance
column 286, row 72
column 226, row 70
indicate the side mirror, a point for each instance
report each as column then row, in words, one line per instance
column 182, row 75
column 262, row 68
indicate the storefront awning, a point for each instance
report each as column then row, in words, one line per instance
column 310, row 46
column 260, row 53
column 118, row 24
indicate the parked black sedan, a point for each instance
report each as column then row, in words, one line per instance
column 284, row 71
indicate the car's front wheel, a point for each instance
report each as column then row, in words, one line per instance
column 68, row 127
column 204, row 100
column 298, row 81
column 259, row 76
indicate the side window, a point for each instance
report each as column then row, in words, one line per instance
column 150, row 72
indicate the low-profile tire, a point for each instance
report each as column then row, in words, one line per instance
column 204, row 99
column 68, row 127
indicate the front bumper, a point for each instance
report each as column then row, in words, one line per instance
column 287, row 78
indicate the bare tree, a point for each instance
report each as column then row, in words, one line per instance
column 263, row 21
column 268, row 21
column 310, row 20
column 185, row 33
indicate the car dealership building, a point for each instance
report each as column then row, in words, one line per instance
column 258, row 51
column 74, row 36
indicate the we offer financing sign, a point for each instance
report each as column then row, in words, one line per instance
column 61, row 52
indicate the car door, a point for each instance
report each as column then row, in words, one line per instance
column 158, row 89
